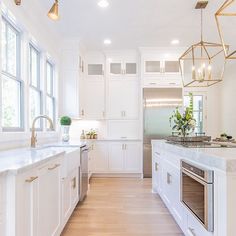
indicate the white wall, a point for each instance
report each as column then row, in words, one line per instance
column 228, row 99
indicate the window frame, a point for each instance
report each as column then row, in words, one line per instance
column 17, row 77
column 51, row 95
column 204, row 107
column 38, row 87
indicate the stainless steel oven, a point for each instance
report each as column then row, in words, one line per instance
column 197, row 190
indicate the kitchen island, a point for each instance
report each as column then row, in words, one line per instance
column 200, row 206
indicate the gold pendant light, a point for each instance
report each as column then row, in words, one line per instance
column 202, row 65
column 226, row 10
column 53, row 13
column 18, row 2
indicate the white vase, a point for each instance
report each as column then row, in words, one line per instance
column 65, row 130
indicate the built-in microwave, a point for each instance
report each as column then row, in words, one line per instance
column 197, row 192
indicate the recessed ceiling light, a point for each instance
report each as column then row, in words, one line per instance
column 175, row 42
column 103, row 3
column 107, row 41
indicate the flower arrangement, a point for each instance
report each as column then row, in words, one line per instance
column 184, row 123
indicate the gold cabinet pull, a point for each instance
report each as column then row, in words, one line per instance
column 31, row 179
column 74, row 183
column 54, row 167
column 156, row 166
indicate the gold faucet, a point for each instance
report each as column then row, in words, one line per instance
column 33, row 134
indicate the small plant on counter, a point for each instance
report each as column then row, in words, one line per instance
column 184, row 123
column 65, row 120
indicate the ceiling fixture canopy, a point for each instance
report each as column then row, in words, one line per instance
column 202, row 65
column 226, row 12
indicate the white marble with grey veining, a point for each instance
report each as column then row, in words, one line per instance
column 220, row 158
column 19, row 160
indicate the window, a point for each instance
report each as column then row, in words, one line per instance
column 12, row 85
column 197, row 110
column 50, row 85
column 35, row 94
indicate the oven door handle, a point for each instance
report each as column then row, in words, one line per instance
column 199, row 180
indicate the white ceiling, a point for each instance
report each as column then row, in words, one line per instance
column 133, row 23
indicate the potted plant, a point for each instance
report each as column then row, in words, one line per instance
column 65, row 122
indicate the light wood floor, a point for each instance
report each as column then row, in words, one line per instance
column 121, row 207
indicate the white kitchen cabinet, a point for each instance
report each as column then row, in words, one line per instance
column 116, row 157
column 123, row 129
column 92, row 101
column 125, row 157
column 122, row 67
column 100, row 158
column 3, row 205
column 95, row 71
column 160, row 69
column 123, row 100
column 132, row 160
column 156, row 172
column 27, row 194
column 72, row 71
column 49, row 198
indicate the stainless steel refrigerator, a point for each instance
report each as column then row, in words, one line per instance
column 158, row 106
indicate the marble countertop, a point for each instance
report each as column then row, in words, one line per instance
column 220, row 158
column 21, row 159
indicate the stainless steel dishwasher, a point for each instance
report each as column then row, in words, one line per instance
column 83, row 172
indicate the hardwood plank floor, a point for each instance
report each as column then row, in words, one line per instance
column 121, row 207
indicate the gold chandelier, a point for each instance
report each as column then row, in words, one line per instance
column 202, row 65
column 53, row 12
column 226, row 11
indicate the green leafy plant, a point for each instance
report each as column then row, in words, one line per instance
column 65, row 120
column 183, row 123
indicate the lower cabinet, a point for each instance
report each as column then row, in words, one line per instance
column 38, row 199
column 27, row 195
column 44, row 198
column 100, row 157
column 117, row 157
column 49, row 199
column 70, row 194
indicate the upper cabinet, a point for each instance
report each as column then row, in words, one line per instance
column 122, row 66
column 160, row 67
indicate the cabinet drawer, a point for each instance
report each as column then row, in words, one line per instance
column 194, row 227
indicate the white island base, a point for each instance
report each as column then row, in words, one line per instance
column 166, row 181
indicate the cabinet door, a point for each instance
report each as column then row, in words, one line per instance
column 130, row 68
column 116, row 157
column 133, row 157
column 152, row 66
column 74, row 185
column 66, row 199
column 26, row 204
column 116, row 68
column 123, row 99
column 116, row 99
column 130, row 99
column 49, row 200
column 172, row 67
column 100, row 158
column 95, row 70
column 94, row 100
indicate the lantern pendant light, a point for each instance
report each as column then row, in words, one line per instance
column 202, row 65
column 227, row 10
